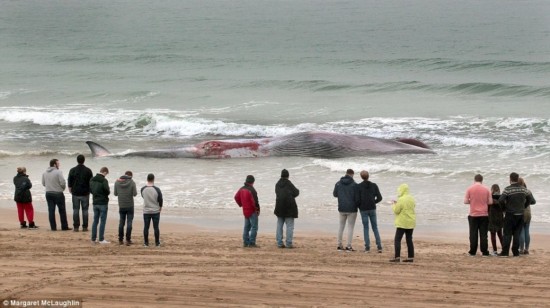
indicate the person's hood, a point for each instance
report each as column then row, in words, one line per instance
column 402, row 190
column 346, row 180
column 50, row 169
column 98, row 178
column 124, row 181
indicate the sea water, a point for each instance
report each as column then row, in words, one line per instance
column 468, row 78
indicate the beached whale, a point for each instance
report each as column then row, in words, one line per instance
column 309, row 144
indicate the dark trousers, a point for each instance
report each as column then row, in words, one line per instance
column 512, row 229
column 147, row 218
column 479, row 226
column 397, row 242
column 126, row 217
column 80, row 202
column 57, row 199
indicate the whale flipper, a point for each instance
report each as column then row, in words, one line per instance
column 97, row 150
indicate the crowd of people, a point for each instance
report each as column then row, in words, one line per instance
column 82, row 183
column 504, row 215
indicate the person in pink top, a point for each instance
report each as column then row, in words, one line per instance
column 478, row 197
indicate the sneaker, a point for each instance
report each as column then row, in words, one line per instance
column 157, row 245
column 485, row 255
column 471, row 255
column 289, row 246
column 395, row 260
column 281, row 246
column 84, row 229
column 93, row 242
column 367, row 250
column 128, row 243
column 379, row 250
column 525, row 252
column 75, row 229
column 33, row 227
column 24, row 226
column 104, row 242
column 494, row 253
column 349, row 248
column 121, row 242
column 340, row 248
column 145, row 245
column 410, row 260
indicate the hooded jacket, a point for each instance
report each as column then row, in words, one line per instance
column 79, row 180
column 515, row 198
column 22, row 188
column 285, row 202
column 403, row 209
column 346, row 192
column 369, row 196
column 247, row 198
column 99, row 187
column 53, row 180
column 125, row 189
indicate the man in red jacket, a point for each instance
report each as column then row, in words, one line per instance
column 247, row 198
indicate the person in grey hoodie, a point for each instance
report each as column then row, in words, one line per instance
column 99, row 187
column 55, row 184
column 125, row 190
column 346, row 190
column 152, row 206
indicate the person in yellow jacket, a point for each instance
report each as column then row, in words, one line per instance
column 405, row 221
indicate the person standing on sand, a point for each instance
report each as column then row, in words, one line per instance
column 99, row 187
column 405, row 222
column 524, row 237
column 152, row 206
column 125, row 189
column 23, row 198
column 348, row 200
column 247, row 198
column 55, row 184
column 79, row 187
column 496, row 219
column 479, row 198
column 513, row 199
column 369, row 196
column 286, row 209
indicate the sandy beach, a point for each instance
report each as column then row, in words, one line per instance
column 205, row 268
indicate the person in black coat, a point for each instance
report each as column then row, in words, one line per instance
column 369, row 196
column 286, row 208
column 23, row 198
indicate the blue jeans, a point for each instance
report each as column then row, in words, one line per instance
column 289, row 221
column 147, row 223
column 57, row 199
column 524, row 238
column 126, row 215
column 100, row 212
column 78, row 203
column 365, row 217
column 250, row 230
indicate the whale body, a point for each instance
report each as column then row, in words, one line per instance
column 307, row 144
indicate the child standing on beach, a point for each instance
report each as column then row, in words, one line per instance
column 405, row 221
column 496, row 219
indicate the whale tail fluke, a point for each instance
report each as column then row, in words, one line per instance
column 97, row 150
